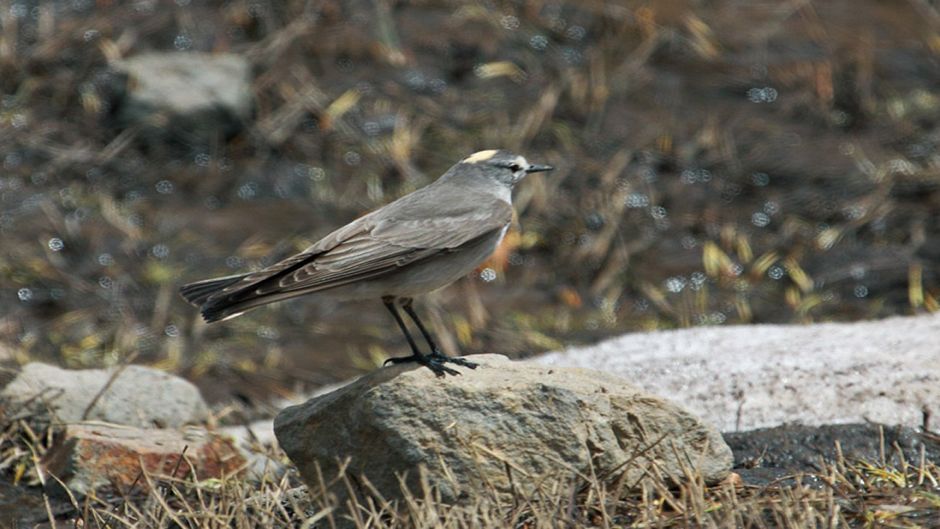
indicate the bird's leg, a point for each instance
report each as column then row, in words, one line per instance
column 430, row 361
column 406, row 303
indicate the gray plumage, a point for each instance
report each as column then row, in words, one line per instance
column 416, row 244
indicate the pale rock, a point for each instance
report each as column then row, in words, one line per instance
column 190, row 93
column 137, row 396
column 465, row 431
column 254, row 441
column 742, row 377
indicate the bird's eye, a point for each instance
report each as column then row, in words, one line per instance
column 515, row 167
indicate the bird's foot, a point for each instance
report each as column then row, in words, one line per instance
column 434, row 362
column 443, row 358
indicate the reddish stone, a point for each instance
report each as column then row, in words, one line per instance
column 87, row 456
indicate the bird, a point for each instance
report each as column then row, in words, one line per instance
column 419, row 243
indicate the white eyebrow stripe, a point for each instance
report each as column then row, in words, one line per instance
column 481, row 156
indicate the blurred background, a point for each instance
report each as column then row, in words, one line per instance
column 718, row 162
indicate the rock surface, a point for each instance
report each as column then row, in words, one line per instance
column 755, row 376
column 466, row 430
column 138, row 396
column 251, row 440
column 195, row 93
column 88, row 456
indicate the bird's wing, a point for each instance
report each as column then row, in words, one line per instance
column 389, row 244
column 372, row 246
column 440, row 232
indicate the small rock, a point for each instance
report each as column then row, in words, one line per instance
column 467, row 430
column 197, row 93
column 252, row 440
column 88, row 456
column 258, row 432
column 138, row 396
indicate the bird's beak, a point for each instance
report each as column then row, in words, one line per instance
column 536, row 168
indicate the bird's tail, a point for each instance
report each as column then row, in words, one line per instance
column 198, row 293
column 214, row 305
column 205, row 295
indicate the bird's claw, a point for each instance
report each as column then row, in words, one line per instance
column 400, row 360
column 440, row 369
column 443, row 358
column 434, row 361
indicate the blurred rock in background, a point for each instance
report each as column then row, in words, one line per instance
column 188, row 97
column 131, row 395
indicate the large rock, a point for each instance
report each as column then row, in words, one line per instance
column 198, row 94
column 741, row 377
column 467, row 430
column 138, row 396
column 88, row 456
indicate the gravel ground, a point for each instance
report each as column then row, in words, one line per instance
column 755, row 376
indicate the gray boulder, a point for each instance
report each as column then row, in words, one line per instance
column 467, row 431
column 194, row 94
column 138, row 396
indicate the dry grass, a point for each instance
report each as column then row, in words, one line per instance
column 843, row 494
column 846, row 495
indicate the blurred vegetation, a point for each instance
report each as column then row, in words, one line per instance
column 718, row 162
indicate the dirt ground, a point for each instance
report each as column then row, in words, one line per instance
column 781, row 454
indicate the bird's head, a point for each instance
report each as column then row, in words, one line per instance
column 502, row 166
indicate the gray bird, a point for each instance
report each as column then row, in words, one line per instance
column 419, row 243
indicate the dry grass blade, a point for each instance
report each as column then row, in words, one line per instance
column 114, row 376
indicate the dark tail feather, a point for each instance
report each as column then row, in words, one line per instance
column 198, row 293
column 233, row 305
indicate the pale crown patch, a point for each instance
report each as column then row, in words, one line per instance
column 481, row 156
